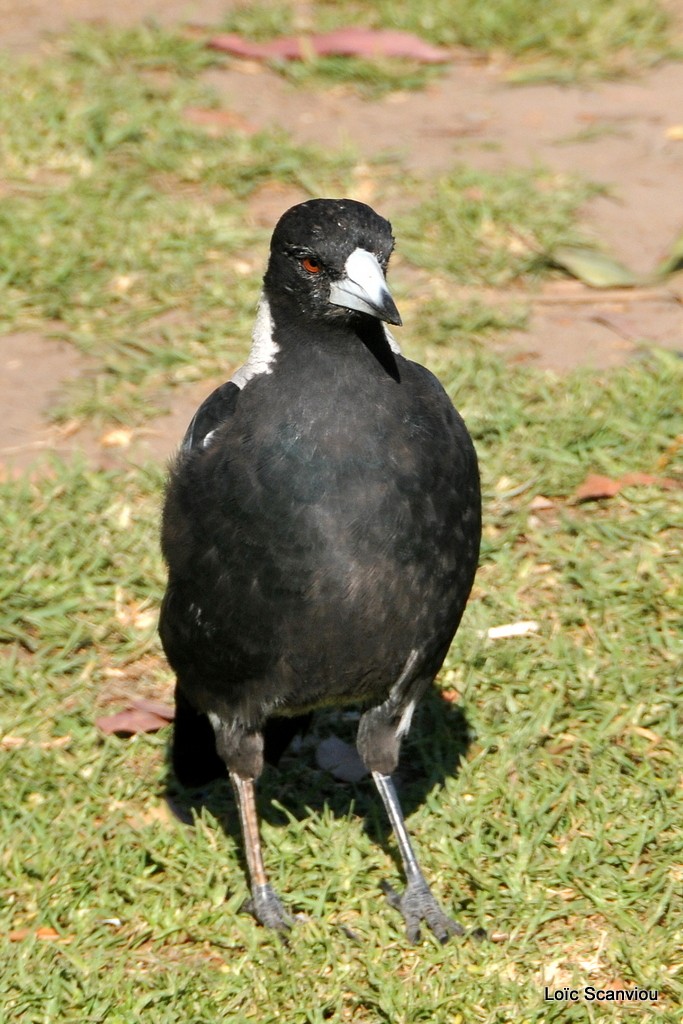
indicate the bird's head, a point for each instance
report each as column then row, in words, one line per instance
column 329, row 257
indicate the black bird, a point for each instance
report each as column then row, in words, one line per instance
column 321, row 529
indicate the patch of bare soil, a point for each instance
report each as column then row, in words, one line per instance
column 26, row 24
column 32, row 371
column 618, row 134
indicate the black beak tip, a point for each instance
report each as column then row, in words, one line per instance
column 390, row 313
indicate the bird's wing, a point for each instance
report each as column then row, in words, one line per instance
column 213, row 411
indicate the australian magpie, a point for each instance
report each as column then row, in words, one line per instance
column 321, row 530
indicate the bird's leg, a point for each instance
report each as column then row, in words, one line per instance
column 379, row 740
column 417, row 902
column 242, row 753
column 264, row 904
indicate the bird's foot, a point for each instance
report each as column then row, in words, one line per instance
column 267, row 907
column 417, row 904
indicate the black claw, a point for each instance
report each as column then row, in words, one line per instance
column 393, row 898
column 417, row 904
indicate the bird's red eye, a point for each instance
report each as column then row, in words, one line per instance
column 310, row 264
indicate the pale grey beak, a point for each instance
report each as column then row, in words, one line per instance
column 364, row 288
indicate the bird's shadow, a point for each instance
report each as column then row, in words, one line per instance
column 430, row 754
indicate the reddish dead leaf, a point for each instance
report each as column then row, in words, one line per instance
column 45, row 934
column 451, row 696
column 595, row 487
column 344, row 42
column 48, row 933
column 155, row 707
column 130, row 722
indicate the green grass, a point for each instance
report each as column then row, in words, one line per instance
column 559, row 828
column 489, row 228
column 116, row 210
column 551, row 817
column 603, row 37
column 545, row 40
column 123, row 227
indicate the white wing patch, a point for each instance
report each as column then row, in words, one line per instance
column 215, row 721
column 263, row 348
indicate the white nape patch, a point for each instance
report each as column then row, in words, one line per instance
column 263, row 348
column 393, row 344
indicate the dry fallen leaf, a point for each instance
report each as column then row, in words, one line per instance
column 450, row 696
column 118, row 438
column 344, row 42
column 44, row 933
column 647, row 734
column 154, row 707
column 511, row 629
column 596, row 487
column 141, row 716
column 14, row 742
column 133, row 613
column 539, row 503
column 130, row 722
column 113, row 673
column 593, row 268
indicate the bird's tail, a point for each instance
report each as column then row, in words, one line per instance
column 278, row 733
